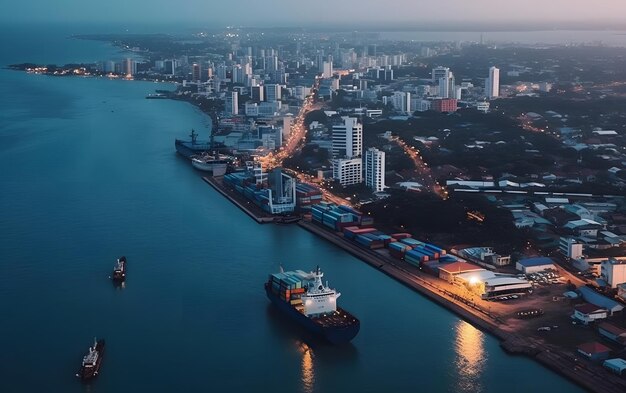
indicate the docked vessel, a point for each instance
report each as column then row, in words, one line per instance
column 119, row 270
column 92, row 361
column 216, row 164
column 194, row 147
column 312, row 304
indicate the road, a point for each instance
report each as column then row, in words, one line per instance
column 297, row 137
column 423, row 172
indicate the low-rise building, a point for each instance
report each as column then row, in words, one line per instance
column 612, row 332
column 613, row 271
column 594, row 351
column 449, row 271
column 593, row 297
column 589, row 313
column 534, row 265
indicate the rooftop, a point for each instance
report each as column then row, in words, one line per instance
column 537, row 261
column 588, row 308
column 460, row 267
column 593, row 348
column 609, row 327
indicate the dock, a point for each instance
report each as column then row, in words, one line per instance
column 558, row 360
column 251, row 210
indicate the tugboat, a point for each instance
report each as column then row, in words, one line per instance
column 92, row 361
column 119, row 270
column 304, row 298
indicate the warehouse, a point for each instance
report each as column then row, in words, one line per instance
column 449, row 271
column 501, row 286
column 594, row 351
column 534, row 265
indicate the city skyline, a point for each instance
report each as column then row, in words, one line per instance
column 345, row 13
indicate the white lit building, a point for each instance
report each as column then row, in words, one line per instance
column 348, row 171
column 613, row 271
column 571, row 248
column 401, row 102
column 492, row 83
column 348, row 138
column 232, row 106
column 327, row 70
column 375, row 169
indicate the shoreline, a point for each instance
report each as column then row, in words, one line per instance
column 548, row 355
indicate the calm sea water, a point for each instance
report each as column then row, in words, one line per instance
column 89, row 173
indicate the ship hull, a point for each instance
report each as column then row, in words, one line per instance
column 120, row 275
column 334, row 334
column 216, row 168
column 87, row 373
column 188, row 149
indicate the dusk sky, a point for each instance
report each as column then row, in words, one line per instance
column 294, row 13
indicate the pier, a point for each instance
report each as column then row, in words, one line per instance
column 254, row 212
column 594, row 379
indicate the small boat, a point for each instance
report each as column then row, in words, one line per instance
column 119, row 270
column 92, row 361
column 216, row 164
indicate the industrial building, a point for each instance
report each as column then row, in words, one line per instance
column 589, row 313
column 613, row 271
column 488, row 284
column 593, row 297
column 613, row 333
column 449, row 271
column 534, row 265
column 594, row 351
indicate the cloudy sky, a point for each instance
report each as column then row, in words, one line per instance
column 311, row 12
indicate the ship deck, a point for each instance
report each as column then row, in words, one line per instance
column 339, row 318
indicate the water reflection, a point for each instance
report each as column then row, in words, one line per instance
column 308, row 369
column 470, row 357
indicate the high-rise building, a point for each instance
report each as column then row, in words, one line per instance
column 327, row 69
column 196, row 72
column 447, row 86
column 375, row 169
column 348, row 171
column 444, row 105
column 439, row 72
column 272, row 92
column 347, row 147
column 348, row 138
column 287, row 121
column 401, row 102
column 257, row 93
column 129, row 67
column 170, row 67
column 233, row 103
column 492, row 83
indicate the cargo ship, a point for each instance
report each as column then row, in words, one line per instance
column 119, row 270
column 194, row 147
column 92, row 361
column 216, row 164
column 304, row 298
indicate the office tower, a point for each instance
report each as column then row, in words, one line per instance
column 327, row 71
column 375, row 169
column 401, row 102
column 347, row 138
column 196, row 72
column 272, row 92
column 440, row 72
column 257, row 93
column 447, row 87
column 129, row 67
column 233, row 103
column 492, row 83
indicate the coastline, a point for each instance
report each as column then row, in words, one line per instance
column 550, row 356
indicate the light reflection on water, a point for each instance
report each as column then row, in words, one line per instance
column 470, row 357
column 308, row 369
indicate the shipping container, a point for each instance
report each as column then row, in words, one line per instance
column 439, row 250
column 411, row 242
column 401, row 235
column 400, row 247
